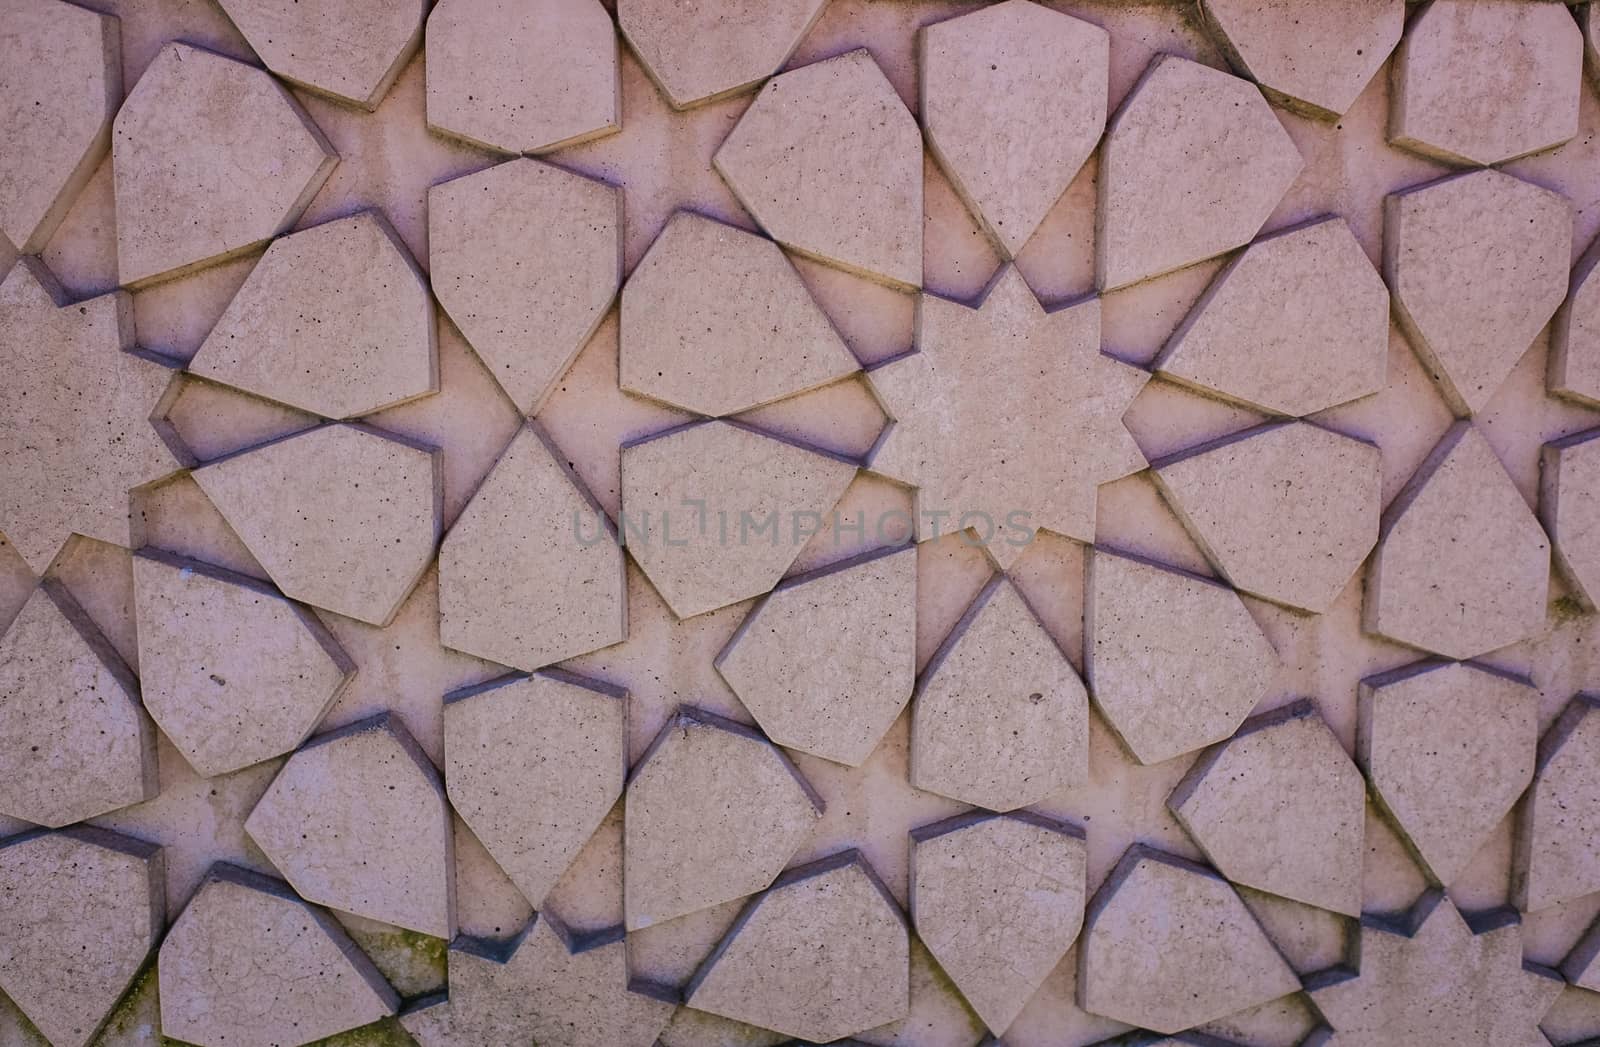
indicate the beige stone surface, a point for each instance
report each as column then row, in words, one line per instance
column 211, row 159
column 350, row 51
column 861, row 207
column 1575, row 338
column 701, row 51
column 357, row 821
column 1478, row 265
column 1580, row 967
column 1174, row 661
column 1569, row 509
column 822, row 955
column 1558, row 831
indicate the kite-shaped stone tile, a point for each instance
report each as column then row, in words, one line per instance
column 357, row 821
column 998, row 900
column 697, row 53
column 1297, row 322
column 526, row 77
column 1448, row 748
column 74, row 740
column 1569, row 508
column 229, row 670
column 829, row 161
column 1168, row 945
column 1575, row 339
column 351, row 51
column 60, row 85
column 1193, row 164
column 715, row 513
column 1558, row 835
column 1438, row 978
column 211, row 158
column 1007, row 418
column 531, row 573
column 526, row 258
column 826, row 663
column 715, row 320
column 1286, row 511
column 80, row 910
column 248, row 964
column 1000, row 719
column 1013, row 100
column 342, row 517
column 1280, row 807
column 824, row 954
column 1174, row 661
column 1485, row 82
column 1463, row 567
column 1478, row 265
column 532, row 765
column 714, row 812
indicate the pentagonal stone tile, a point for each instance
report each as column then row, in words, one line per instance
column 1000, row 719
column 1168, row 945
column 1014, row 100
column 532, row 765
column 342, row 517
column 1297, row 322
column 821, row 955
column 829, row 161
column 826, row 663
column 79, row 912
column 715, row 320
column 998, row 900
column 1175, row 662
column 1281, row 808
column 1569, row 508
column 349, row 51
column 1484, row 82
column 525, row 258
column 1575, row 339
column 1448, row 748
column 74, row 739
column 531, row 572
column 697, row 53
column 1558, row 836
column 715, row 513
column 248, row 964
column 335, row 320
column 1192, row 165
column 522, row 77
column 211, row 158
column 1478, row 265
column 357, row 821
column 1463, row 567
column 60, row 85
column 1286, row 511
column 714, row 812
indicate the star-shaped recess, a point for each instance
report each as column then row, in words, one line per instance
column 1007, row 418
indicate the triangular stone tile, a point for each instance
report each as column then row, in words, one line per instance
column 699, row 54
column 1569, row 509
column 1558, row 835
column 351, row 51
column 1575, row 338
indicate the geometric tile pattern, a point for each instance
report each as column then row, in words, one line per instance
column 1558, row 841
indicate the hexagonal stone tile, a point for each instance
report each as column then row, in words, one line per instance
column 1448, row 748
column 698, row 53
column 714, row 812
column 525, row 77
column 73, row 736
column 1575, row 338
column 829, row 161
column 342, row 517
column 1013, row 100
column 349, row 51
column 1193, row 164
column 1299, row 321
column 1281, row 808
column 1285, row 511
column 1168, row 945
column 823, row 954
column 1558, row 834
column 532, row 765
column 79, row 912
column 1463, row 567
column 248, row 964
column 1000, row 719
column 1175, row 661
column 1569, row 508
column 357, row 821
column 525, row 258
column 828, row 660
column 1486, row 82
column 1478, row 265
column 60, row 85
column 335, row 320
column 211, row 158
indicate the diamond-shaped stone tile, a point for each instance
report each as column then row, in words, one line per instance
column 701, row 52
column 211, row 158
column 1558, row 835
column 352, row 51
column 1569, row 508
column 1575, row 338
